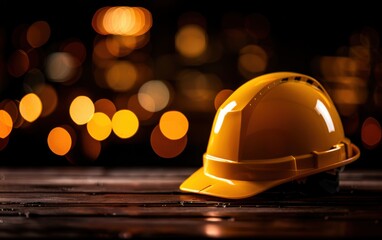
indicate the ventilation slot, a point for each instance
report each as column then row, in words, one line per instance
column 315, row 84
column 310, row 81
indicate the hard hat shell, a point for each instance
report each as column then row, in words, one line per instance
column 273, row 129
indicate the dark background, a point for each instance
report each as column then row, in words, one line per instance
column 300, row 32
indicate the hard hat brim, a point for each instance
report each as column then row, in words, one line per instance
column 201, row 183
column 204, row 183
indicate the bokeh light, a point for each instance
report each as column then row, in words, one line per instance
column 6, row 124
column 38, row 34
column 97, row 20
column 91, row 148
column 12, row 108
column 191, row 41
column 81, row 110
column 164, row 147
column 59, row 141
column 99, row 126
column 122, row 20
column 221, row 97
column 371, row 132
column 121, row 76
column 30, row 107
column 253, row 61
column 124, row 123
column 173, row 125
column 154, row 95
column 61, row 67
column 106, row 106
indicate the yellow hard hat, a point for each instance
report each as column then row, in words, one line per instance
column 273, row 129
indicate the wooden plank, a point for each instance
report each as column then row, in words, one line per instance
column 95, row 180
column 204, row 213
column 269, row 198
column 146, row 203
column 91, row 180
column 122, row 227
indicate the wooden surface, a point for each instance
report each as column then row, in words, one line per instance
column 146, row 203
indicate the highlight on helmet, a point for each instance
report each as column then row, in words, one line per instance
column 273, row 129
